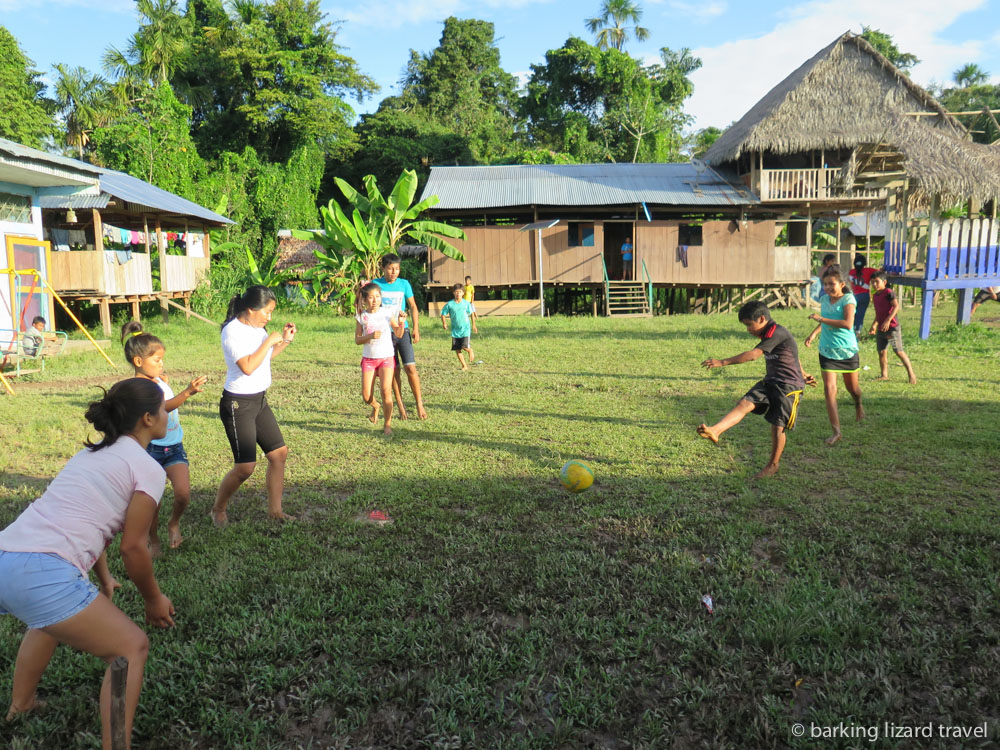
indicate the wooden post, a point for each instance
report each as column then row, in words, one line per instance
column 98, row 231
column 868, row 237
column 187, row 306
column 105, row 309
column 161, row 247
column 119, row 679
column 135, row 309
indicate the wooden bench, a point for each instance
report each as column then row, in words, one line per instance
column 495, row 307
column 12, row 351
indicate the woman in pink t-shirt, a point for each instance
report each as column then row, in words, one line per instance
column 47, row 552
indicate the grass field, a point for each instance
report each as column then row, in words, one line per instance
column 859, row 587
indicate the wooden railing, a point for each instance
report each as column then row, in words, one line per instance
column 807, row 184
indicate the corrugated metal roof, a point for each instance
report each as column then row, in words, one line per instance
column 582, row 185
column 74, row 201
column 134, row 190
column 26, row 152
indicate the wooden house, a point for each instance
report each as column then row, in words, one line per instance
column 101, row 238
column 690, row 227
column 847, row 131
column 28, row 176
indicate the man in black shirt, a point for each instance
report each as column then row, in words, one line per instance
column 777, row 395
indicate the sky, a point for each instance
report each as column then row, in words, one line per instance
column 747, row 46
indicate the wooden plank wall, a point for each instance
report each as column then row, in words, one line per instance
column 505, row 255
column 134, row 277
column 89, row 270
column 181, row 275
column 728, row 254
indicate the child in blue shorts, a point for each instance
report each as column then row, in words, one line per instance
column 144, row 352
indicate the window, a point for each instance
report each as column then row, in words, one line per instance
column 15, row 208
column 581, row 233
column 689, row 234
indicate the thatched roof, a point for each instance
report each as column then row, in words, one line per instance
column 293, row 252
column 849, row 95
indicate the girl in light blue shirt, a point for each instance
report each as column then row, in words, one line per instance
column 838, row 346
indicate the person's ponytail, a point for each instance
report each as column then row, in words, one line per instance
column 120, row 409
column 255, row 297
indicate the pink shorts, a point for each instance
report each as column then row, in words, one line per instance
column 369, row 364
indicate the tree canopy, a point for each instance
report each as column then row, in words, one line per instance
column 25, row 111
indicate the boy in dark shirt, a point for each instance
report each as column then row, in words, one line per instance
column 777, row 395
column 886, row 328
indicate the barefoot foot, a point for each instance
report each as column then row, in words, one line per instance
column 859, row 412
column 833, row 439
column 705, row 432
column 174, row 538
column 279, row 516
column 219, row 518
column 373, row 417
column 913, row 379
column 387, row 430
column 421, row 411
column 882, row 377
column 768, row 471
column 15, row 710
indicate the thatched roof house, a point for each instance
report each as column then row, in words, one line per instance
column 850, row 103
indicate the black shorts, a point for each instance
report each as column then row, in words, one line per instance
column 851, row 364
column 778, row 402
column 884, row 338
column 403, row 349
column 249, row 422
column 984, row 296
column 458, row 343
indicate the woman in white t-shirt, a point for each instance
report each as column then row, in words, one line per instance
column 47, row 552
column 246, row 416
column 376, row 326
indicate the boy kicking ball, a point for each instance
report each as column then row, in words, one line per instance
column 777, row 395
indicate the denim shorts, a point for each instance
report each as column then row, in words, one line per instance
column 168, row 455
column 41, row 589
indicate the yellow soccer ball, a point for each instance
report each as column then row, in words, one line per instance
column 576, row 476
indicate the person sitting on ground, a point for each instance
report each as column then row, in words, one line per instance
column 776, row 397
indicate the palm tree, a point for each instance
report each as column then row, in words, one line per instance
column 619, row 13
column 83, row 102
column 970, row 75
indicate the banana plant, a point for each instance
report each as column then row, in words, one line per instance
column 377, row 225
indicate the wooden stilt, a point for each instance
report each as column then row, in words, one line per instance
column 105, row 310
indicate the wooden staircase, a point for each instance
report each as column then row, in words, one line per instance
column 626, row 299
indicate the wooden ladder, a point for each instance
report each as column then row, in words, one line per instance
column 627, row 299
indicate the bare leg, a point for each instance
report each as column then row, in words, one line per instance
column 830, row 392
column 777, row 448
column 155, row 548
column 105, row 631
column 973, row 310
column 368, row 393
column 853, row 386
column 461, row 360
column 230, row 483
column 276, row 483
column 397, row 392
column 386, row 379
column 414, row 378
column 472, row 357
column 33, row 657
column 734, row 417
column 909, row 367
column 883, row 364
column 180, row 479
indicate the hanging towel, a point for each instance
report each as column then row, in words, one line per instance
column 195, row 249
column 77, row 237
column 682, row 255
column 125, row 236
column 110, row 258
column 123, row 256
column 111, row 232
column 135, row 237
column 59, row 239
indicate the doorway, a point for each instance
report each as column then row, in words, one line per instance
column 615, row 234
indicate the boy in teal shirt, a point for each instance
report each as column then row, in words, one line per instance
column 461, row 315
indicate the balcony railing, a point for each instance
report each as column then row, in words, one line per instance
column 808, row 185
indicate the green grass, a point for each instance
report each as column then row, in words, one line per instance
column 498, row 611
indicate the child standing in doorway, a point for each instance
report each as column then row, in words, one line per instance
column 460, row 312
column 838, row 346
column 144, row 352
column 886, row 328
column 376, row 325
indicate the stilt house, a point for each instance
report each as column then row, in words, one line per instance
column 848, row 131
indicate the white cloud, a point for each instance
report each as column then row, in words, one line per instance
column 397, row 13
column 736, row 74
column 700, row 11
